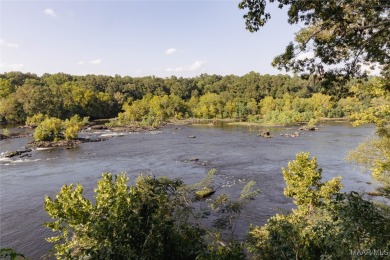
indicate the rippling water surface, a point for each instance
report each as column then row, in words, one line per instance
column 236, row 152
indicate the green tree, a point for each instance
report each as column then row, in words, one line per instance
column 374, row 153
column 321, row 104
column 35, row 120
column 350, row 105
column 344, row 33
column 326, row 224
column 73, row 126
column 267, row 104
column 303, row 184
column 252, row 106
column 210, row 106
column 148, row 220
column 5, row 88
column 55, row 129
column 50, row 129
column 40, row 99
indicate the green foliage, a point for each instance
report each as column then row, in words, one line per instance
column 208, row 181
column 55, row 129
column 290, row 109
column 10, row 254
column 210, row 106
column 248, row 193
column 312, row 122
column 350, row 105
column 6, row 132
column 282, row 117
column 218, row 250
column 152, row 110
column 151, row 100
column 374, row 153
column 73, row 126
column 327, row 224
column 379, row 109
column 35, row 120
column 145, row 221
column 303, row 184
column 49, row 129
column 345, row 34
column 204, row 193
column 5, row 88
column 151, row 219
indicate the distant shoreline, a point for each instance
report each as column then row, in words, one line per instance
column 230, row 121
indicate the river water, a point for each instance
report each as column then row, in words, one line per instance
column 236, row 152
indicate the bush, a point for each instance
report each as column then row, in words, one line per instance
column 35, row 120
column 145, row 221
column 335, row 113
column 54, row 129
column 73, row 126
column 152, row 219
column 327, row 224
column 11, row 254
column 49, row 129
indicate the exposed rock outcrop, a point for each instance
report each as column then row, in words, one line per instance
column 63, row 143
column 265, row 134
column 308, row 128
column 22, row 153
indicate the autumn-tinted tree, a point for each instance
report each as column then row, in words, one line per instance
column 374, row 153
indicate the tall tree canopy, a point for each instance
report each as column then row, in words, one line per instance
column 338, row 37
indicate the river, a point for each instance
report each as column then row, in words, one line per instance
column 236, row 152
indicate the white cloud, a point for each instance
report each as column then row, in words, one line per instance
column 80, row 62
column 8, row 44
column 50, row 12
column 8, row 67
column 197, row 65
column 170, row 51
column 95, row 62
column 138, row 71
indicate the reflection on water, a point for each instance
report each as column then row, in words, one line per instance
column 236, row 152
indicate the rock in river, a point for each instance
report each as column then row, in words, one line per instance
column 16, row 153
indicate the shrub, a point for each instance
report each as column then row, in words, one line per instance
column 327, row 224
column 35, row 120
column 54, row 129
column 11, row 254
column 126, row 222
column 49, row 129
column 73, row 126
column 152, row 219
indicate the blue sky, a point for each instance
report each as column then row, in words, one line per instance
column 137, row 38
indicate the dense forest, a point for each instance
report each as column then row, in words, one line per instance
column 268, row 99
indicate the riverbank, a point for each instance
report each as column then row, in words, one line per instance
column 238, row 122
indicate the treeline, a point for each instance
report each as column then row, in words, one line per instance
column 273, row 98
column 286, row 110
